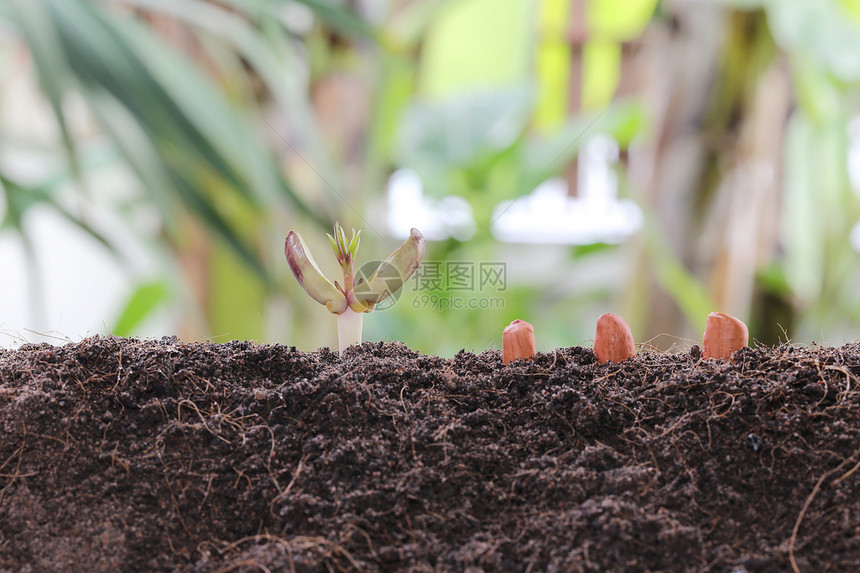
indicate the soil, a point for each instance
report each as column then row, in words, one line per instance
column 129, row 455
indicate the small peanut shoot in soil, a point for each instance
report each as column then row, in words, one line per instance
column 351, row 299
column 518, row 341
column 613, row 340
column 724, row 335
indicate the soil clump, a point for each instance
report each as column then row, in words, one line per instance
column 129, row 455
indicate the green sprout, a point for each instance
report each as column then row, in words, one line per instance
column 350, row 300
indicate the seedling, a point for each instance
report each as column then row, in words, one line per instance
column 350, row 300
column 518, row 341
column 613, row 341
column 724, row 334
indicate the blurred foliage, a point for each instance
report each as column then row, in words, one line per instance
column 479, row 148
column 817, row 271
column 243, row 119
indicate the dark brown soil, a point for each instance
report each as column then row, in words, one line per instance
column 125, row 455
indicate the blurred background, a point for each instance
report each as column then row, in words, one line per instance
column 564, row 158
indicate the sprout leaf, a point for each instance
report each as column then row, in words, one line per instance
column 392, row 272
column 310, row 277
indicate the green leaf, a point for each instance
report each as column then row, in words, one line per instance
column 269, row 52
column 408, row 26
column 21, row 198
column 341, row 239
column 619, row 19
column 236, row 300
column 143, row 301
column 477, row 42
column 601, row 64
column 390, row 275
column 340, row 18
column 337, row 16
column 353, row 243
column 543, row 157
column 33, row 20
column 460, row 132
column 687, row 292
column 746, row 4
column 199, row 147
column 822, row 31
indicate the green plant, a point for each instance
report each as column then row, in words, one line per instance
column 355, row 297
column 205, row 158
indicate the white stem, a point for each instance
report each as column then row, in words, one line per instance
column 349, row 328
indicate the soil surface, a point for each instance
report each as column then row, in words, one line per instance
column 128, row 455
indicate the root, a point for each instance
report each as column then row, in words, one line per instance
column 793, row 540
